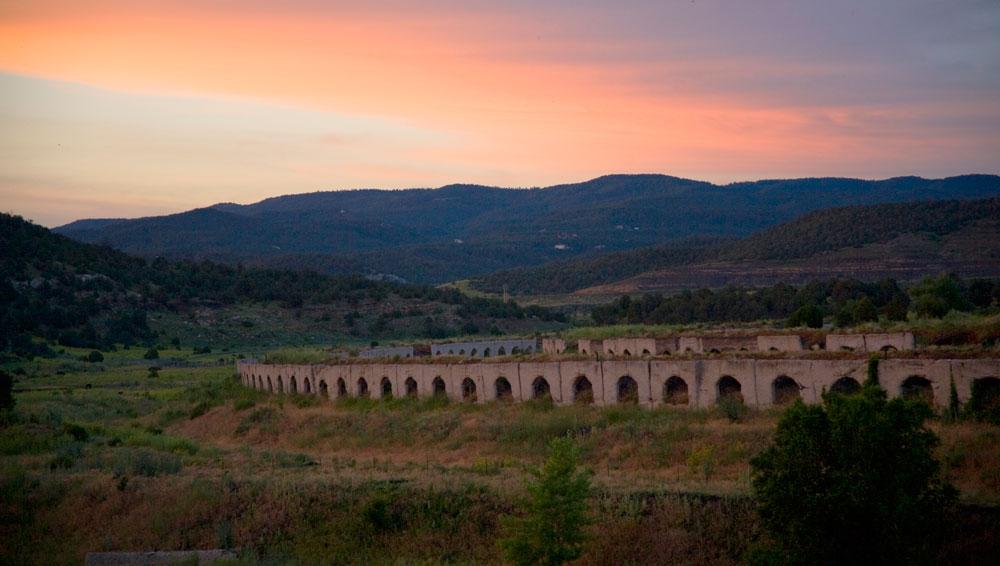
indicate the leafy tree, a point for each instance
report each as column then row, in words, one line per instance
column 865, row 311
column 806, row 315
column 552, row 531
column 853, row 481
column 95, row 357
column 936, row 296
column 152, row 354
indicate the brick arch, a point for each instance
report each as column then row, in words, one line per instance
column 540, row 388
column 583, row 390
column 469, row 392
column 785, row 390
column 675, row 391
column 845, row 385
column 502, row 389
column 729, row 386
column 917, row 387
column 627, row 390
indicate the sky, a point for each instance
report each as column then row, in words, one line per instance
column 112, row 108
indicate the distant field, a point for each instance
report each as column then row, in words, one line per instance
column 106, row 457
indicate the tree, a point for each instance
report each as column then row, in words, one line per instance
column 152, row 354
column 552, row 531
column 865, row 311
column 853, row 482
column 95, row 357
column 807, row 315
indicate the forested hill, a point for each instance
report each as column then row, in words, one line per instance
column 90, row 296
column 435, row 235
column 920, row 237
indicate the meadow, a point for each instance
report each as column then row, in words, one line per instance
column 114, row 456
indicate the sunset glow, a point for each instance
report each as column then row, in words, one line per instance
column 134, row 108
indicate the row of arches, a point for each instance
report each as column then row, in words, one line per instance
column 784, row 389
column 487, row 352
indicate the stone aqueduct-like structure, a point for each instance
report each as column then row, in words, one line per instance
column 690, row 383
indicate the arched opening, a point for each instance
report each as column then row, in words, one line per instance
column 503, row 389
column 473, row 352
column 845, row 386
column 461, row 352
column 675, row 391
column 386, row 386
column 486, row 352
column 438, row 387
column 341, row 387
column 306, row 386
column 645, row 352
column 362, row 387
column 628, row 390
column 985, row 400
column 917, row 387
column 323, row 391
column 451, row 352
column 411, row 387
column 270, row 386
column 515, row 351
column 528, row 350
column 785, row 390
column 540, row 389
column 729, row 388
column 469, row 390
column 772, row 349
column 501, row 351
column 293, row 386
column 888, row 348
column 583, row 391
column 714, row 351
column 281, row 385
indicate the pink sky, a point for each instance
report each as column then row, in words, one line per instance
column 135, row 108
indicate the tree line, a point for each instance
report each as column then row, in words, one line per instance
column 845, row 302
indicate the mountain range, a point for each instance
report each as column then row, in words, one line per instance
column 462, row 231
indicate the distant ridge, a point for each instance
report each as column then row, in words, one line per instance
column 461, row 231
column 901, row 240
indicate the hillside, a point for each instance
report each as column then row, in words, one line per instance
column 458, row 231
column 902, row 240
column 88, row 296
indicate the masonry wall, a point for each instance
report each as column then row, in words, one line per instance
column 567, row 381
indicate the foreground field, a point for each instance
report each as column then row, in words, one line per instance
column 114, row 459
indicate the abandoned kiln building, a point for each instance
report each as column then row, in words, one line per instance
column 699, row 380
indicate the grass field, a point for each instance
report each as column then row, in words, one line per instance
column 106, row 457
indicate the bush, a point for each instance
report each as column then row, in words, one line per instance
column 552, row 531
column 733, row 408
column 151, row 354
column 853, row 482
column 144, row 462
column 94, row 357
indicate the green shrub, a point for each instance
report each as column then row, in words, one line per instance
column 853, row 481
column 66, row 456
column 78, row 433
column 243, row 404
column 94, row 357
column 152, row 354
column 553, row 529
column 144, row 462
column 733, row 408
column 199, row 409
column 984, row 404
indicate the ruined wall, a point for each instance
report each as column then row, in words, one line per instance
column 553, row 345
column 589, row 347
column 387, row 352
column 779, row 343
column 485, row 348
column 691, row 383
